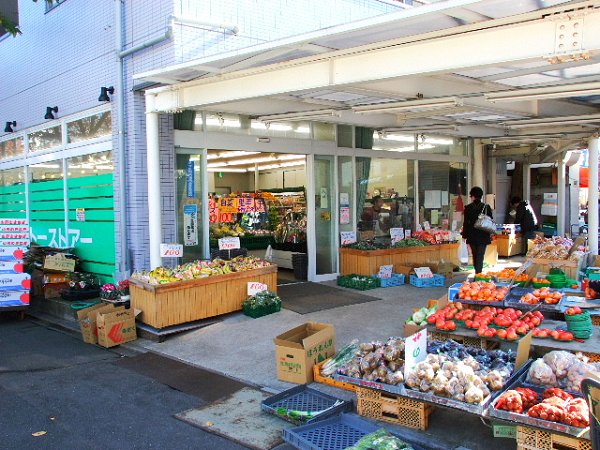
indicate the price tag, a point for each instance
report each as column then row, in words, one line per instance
column 171, row 250
column 8, row 221
column 12, row 253
column 397, row 234
column 348, row 237
column 423, row 272
column 15, row 282
column 505, row 431
column 11, row 267
column 415, row 350
column 426, row 225
column 21, row 229
column 407, row 234
column 254, row 287
column 229, row 243
column 386, row 271
column 13, row 298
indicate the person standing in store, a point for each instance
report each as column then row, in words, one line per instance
column 478, row 240
column 525, row 216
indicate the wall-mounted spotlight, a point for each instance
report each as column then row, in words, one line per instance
column 9, row 126
column 49, row 111
column 104, row 91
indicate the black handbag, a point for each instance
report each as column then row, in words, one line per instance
column 485, row 222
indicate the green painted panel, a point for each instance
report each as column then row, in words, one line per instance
column 46, row 195
column 98, row 191
column 50, row 233
column 13, row 214
column 107, row 270
column 96, row 240
column 96, row 203
column 6, row 198
column 46, row 215
column 46, row 185
column 48, row 205
column 12, row 189
column 93, row 180
column 92, row 215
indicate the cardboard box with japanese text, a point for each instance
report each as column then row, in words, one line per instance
column 299, row 349
column 116, row 327
column 87, row 321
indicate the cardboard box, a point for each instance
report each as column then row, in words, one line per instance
column 509, row 245
column 87, row 321
column 116, row 327
column 299, row 349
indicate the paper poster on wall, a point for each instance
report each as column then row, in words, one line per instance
column 324, row 199
column 80, row 214
column 445, row 198
column 433, row 199
column 434, row 216
column 344, row 215
column 190, row 225
column 344, row 199
column 191, row 181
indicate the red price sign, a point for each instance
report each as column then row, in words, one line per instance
column 171, row 250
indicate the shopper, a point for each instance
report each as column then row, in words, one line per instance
column 478, row 240
column 525, row 217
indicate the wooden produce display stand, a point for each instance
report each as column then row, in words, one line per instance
column 367, row 262
column 509, row 245
column 186, row 301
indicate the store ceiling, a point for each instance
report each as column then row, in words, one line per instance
column 475, row 116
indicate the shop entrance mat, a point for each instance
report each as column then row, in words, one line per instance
column 206, row 385
column 309, row 297
column 240, row 419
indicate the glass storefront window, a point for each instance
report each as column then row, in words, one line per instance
column 393, row 181
column 52, row 170
column 90, row 127
column 11, row 148
column 440, row 184
column 444, row 145
column 87, row 165
column 11, row 177
column 45, row 139
column 393, row 142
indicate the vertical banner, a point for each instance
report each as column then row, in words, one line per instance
column 191, row 180
column 190, row 225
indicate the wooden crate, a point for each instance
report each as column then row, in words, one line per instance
column 509, row 245
column 571, row 268
column 468, row 341
column 392, row 408
column 186, row 301
column 328, row 380
column 533, row 439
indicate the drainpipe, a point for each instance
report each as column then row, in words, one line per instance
column 124, row 263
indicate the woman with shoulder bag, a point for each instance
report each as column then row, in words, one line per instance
column 477, row 239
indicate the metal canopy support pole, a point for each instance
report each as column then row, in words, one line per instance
column 527, row 182
column 593, row 145
column 562, row 199
column 477, row 161
column 154, row 200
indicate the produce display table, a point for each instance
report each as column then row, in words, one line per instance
column 186, row 301
column 367, row 262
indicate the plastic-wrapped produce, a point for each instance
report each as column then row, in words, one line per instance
column 425, row 371
column 560, row 362
column 439, row 383
column 495, row 380
column 412, row 380
column 380, row 440
column 425, row 385
column 576, row 373
column 474, row 395
column 541, row 374
column 395, row 377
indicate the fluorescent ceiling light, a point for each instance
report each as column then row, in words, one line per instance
column 215, row 121
column 430, row 104
column 242, row 162
column 547, row 92
column 279, row 166
column 421, row 129
column 46, row 166
column 527, row 137
column 554, row 121
column 301, row 115
column 226, row 169
column 232, row 154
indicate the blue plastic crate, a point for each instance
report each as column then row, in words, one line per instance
column 397, row 279
column 334, row 433
column 435, row 281
column 303, row 398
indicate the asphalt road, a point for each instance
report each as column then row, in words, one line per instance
column 50, row 381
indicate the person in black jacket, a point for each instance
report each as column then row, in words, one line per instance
column 478, row 240
column 525, row 216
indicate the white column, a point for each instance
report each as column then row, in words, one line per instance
column 204, row 174
column 477, row 177
column 154, row 197
column 593, row 145
column 527, row 182
column 562, row 199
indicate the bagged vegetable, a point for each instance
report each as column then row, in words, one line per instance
column 380, row 440
column 541, row 374
column 560, row 362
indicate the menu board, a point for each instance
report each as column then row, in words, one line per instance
column 14, row 284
